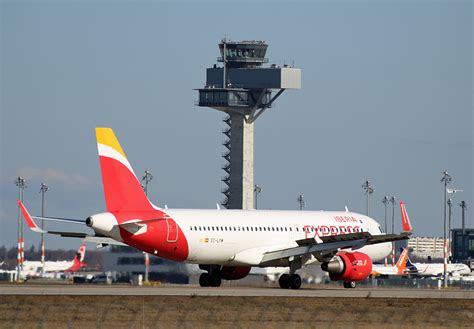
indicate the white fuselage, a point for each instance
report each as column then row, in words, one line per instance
column 437, row 269
column 34, row 268
column 242, row 237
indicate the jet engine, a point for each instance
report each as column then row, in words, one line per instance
column 234, row 272
column 348, row 266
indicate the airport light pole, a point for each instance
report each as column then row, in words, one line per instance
column 446, row 179
column 393, row 201
column 147, row 178
column 385, row 202
column 450, row 201
column 44, row 188
column 450, row 204
column 257, row 189
column 463, row 228
column 368, row 188
column 21, row 183
column 300, row 200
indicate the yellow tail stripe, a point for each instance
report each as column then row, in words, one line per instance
column 107, row 137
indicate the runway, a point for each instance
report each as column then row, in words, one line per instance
column 189, row 306
column 226, row 291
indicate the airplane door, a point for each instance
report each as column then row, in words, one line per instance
column 172, row 235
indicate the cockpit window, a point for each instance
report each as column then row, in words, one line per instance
column 381, row 231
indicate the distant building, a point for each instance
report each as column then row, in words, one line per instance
column 128, row 262
column 457, row 245
column 426, row 247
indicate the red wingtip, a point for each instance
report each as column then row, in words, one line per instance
column 29, row 220
column 406, row 225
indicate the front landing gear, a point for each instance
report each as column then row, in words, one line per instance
column 287, row 281
column 349, row 284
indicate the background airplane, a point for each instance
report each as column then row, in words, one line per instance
column 36, row 268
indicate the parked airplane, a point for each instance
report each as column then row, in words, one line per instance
column 398, row 269
column 437, row 269
column 227, row 243
column 36, row 268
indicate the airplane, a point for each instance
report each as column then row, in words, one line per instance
column 36, row 268
column 437, row 269
column 227, row 243
column 399, row 269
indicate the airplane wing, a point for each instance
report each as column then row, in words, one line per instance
column 34, row 227
column 332, row 244
column 99, row 240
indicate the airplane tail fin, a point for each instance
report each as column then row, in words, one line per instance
column 122, row 189
column 78, row 261
column 81, row 252
column 402, row 261
column 406, row 225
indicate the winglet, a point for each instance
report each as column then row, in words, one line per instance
column 406, row 225
column 29, row 220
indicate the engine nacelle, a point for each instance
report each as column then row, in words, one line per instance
column 104, row 224
column 348, row 266
column 234, row 272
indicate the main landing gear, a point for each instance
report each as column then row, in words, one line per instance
column 212, row 278
column 291, row 280
column 287, row 281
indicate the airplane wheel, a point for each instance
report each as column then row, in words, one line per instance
column 295, row 281
column 284, row 281
column 349, row 284
column 215, row 280
column 205, row 280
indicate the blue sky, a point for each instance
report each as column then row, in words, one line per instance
column 386, row 96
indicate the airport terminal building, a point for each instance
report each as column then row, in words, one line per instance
column 128, row 262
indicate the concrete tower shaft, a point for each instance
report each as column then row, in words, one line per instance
column 242, row 88
column 239, row 167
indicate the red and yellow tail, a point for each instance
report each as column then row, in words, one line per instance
column 122, row 190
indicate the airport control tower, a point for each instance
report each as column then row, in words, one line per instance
column 243, row 89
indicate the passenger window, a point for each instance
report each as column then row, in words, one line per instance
column 191, row 228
